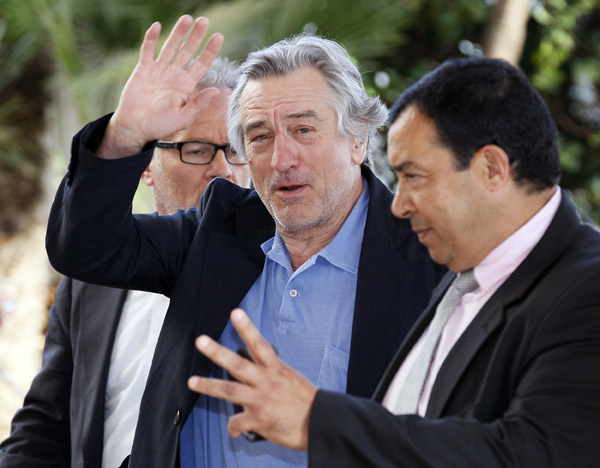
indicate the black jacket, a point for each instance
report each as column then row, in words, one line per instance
column 205, row 260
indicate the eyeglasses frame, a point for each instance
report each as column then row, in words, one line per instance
column 179, row 144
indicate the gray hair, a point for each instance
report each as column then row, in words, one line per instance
column 359, row 114
column 222, row 74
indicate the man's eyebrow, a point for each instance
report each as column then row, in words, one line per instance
column 296, row 115
column 253, row 125
column 405, row 166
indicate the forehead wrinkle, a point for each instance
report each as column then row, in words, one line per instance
column 304, row 114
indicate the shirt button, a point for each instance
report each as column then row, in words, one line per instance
column 293, row 293
column 177, row 419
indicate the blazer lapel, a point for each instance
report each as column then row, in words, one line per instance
column 414, row 335
column 389, row 297
column 98, row 310
column 227, row 278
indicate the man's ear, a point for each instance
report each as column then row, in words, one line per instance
column 493, row 165
column 147, row 176
column 358, row 149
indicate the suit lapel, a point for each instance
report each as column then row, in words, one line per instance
column 99, row 310
column 413, row 336
column 386, row 304
column 227, row 278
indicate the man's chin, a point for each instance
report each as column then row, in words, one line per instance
column 293, row 221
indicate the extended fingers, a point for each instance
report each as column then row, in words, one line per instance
column 240, row 368
column 188, row 50
column 235, row 392
column 175, row 38
column 260, row 350
column 149, row 44
column 208, row 55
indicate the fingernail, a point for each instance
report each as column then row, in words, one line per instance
column 238, row 315
column 202, row 342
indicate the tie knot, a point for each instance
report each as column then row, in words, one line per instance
column 466, row 282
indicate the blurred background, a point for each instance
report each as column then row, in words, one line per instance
column 64, row 62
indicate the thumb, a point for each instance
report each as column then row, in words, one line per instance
column 201, row 100
column 239, row 424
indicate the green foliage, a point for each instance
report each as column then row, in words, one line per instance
column 562, row 58
column 88, row 48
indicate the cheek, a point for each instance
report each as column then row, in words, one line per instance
column 241, row 175
column 258, row 171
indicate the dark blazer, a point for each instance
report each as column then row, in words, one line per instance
column 205, row 260
column 62, row 419
column 521, row 387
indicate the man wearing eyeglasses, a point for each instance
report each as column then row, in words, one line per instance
column 83, row 406
column 314, row 253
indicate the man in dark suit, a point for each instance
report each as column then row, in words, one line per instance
column 314, row 253
column 83, row 406
column 501, row 370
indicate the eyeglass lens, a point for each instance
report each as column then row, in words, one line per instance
column 202, row 153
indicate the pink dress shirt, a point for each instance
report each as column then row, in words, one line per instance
column 490, row 274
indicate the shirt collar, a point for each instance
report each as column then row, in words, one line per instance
column 501, row 262
column 343, row 251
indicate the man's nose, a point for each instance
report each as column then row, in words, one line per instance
column 219, row 167
column 283, row 157
column 402, row 206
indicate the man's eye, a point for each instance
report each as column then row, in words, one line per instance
column 258, row 138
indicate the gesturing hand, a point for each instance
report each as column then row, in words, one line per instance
column 160, row 97
column 276, row 399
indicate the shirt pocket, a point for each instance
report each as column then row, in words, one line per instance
column 334, row 370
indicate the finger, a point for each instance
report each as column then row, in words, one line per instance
column 240, row 368
column 240, row 423
column 201, row 99
column 208, row 55
column 192, row 43
column 234, row 392
column 260, row 349
column 171, row 45
column 149, row 44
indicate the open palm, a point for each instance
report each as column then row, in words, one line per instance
column 160, row 96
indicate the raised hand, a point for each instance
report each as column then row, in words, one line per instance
column 276, row 399
column 160, row 97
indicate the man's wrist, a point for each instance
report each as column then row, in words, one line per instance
column 119, row 142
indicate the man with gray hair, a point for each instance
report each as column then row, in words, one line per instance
column 329, row 276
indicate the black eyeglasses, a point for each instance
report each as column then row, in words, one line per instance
column 202, row 152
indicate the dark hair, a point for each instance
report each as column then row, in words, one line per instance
column 478, row 101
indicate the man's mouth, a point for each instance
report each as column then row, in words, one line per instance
column 421, row 233
column 289, row 188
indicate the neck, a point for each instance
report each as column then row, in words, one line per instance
column 529, row 205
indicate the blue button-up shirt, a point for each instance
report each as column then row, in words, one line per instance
column 307, row 316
